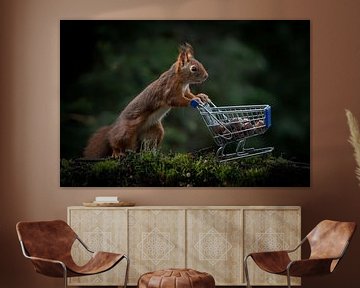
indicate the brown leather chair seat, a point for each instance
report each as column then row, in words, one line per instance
column 176, row 278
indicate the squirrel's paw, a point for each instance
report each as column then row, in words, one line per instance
column 203, row 97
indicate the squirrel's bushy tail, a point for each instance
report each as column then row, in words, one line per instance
column 98, row 145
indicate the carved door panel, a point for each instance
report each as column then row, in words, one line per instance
column 214, row 244
column 267, row 230
column 156, row 240
column 101, row 230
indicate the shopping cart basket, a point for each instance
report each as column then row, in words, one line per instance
column 230, row 126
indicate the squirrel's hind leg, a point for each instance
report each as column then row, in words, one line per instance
column 152, row 137
column 122, row 138
column 117, row 153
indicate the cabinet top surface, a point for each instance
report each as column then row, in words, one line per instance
column 192, row 207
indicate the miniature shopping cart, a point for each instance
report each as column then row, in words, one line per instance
column 230, row 126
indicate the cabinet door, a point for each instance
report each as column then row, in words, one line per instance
column 156, row 240
column 214, row 244
column 269, row 230
column 101, row 230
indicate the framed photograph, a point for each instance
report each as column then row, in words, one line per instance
column 215, row 103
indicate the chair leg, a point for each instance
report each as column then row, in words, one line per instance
column 288, row 278
column 246, row 272
column 65, row 275
column 127, row 271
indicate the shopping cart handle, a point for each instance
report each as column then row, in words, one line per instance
column 267, row 111
column 194, row 103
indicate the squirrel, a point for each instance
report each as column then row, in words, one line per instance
column 141, row 119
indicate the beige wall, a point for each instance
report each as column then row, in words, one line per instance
column 29, row 119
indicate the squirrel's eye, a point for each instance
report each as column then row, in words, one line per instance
column 193, row 68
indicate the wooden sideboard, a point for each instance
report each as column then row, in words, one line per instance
column 211, row 239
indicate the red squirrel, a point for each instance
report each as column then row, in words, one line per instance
column 141, row 119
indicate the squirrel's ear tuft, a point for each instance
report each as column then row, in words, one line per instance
column 188, row 49
column 186, row 52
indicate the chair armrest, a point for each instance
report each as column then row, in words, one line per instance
column 298, row 246
column 309, row 267
column 269, row 253
column 46, row 260
column 280, row 251
column 49, row 267
column 84, row 245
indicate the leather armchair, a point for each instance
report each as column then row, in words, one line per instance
column 48, row 245
column 328, row 243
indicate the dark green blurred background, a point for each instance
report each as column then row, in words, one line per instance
column 104, row 64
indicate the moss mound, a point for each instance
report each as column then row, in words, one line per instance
column 154, row 169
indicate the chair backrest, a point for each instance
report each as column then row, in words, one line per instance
column 46, row 239
column 329, row 239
